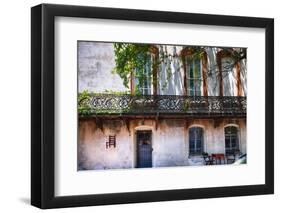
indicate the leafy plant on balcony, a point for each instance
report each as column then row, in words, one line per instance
column 113, row 92
column 185, row 105
column 83, row 99
column 85, row 108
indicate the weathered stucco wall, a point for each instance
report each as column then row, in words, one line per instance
column 173, row 83
column 95, row 65
column 92, row 152
column 169, row 142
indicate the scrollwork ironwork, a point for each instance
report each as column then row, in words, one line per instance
column 163, row 104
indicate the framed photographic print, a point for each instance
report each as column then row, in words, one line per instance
column 140, row 106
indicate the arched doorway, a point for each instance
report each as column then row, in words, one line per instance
column 144, row 148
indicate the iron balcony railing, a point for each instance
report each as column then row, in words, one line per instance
column 101, row 104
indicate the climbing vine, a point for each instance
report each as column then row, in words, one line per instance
column 131, row 59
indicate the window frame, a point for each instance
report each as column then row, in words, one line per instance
column 192, row 62
column 153, row 78
column 195, row 141
column 237, row 145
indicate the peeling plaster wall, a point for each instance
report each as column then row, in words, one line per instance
column 169, row 142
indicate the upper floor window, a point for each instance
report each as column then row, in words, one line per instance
column 143, row 78
column 231, row 140
column 195, row 141
column 194, row 77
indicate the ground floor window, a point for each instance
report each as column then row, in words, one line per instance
column 231, row 140
column 195, row 141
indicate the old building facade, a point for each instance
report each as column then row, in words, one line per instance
column 185, row 108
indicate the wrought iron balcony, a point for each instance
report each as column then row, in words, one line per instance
column 109, row 104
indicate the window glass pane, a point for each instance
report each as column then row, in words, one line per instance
column 233, row 142
column 194, row 76
column 195, row 140
column 191, row 71
column 197, row 86
column 144, row 86
column 192, row 144
column 192, row 134
column 197, row 69
column 191, row 92
column 231, row 139
column 227, row 142
column 191, row 84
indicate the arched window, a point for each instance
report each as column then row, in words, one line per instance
column 231, row 140
column 194, row 77
column 195, row 141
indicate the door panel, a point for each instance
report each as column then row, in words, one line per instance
column 144, row 149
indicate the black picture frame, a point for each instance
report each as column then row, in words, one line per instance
column 43, row 102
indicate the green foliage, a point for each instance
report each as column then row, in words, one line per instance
column 239, row 54
column 130, row 58
column 83, row 99
column 197, row 53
